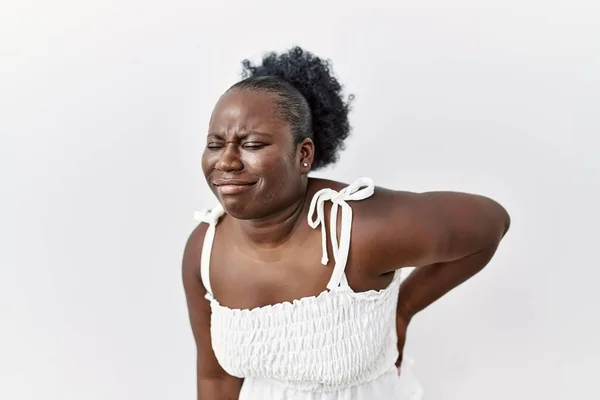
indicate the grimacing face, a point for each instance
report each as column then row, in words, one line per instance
column 251, row 162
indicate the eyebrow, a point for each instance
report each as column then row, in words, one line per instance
column 243, row 133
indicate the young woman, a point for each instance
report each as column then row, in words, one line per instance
column 293, row 283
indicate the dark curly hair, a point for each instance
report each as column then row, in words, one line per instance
column 310, row 98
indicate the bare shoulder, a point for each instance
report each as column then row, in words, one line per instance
column 195, row 292
column 208, row 368
column 382, row 222
column 192, row 255
column 395, row 228
column 316, row 184
column 368, row 209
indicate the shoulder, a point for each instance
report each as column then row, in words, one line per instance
column 395, row 228
column 380, row 217
column 371, row 205
column 374, row 207
column 192, row 254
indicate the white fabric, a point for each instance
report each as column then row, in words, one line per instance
column 339, row 345
column 359, row 190
column 211, row 217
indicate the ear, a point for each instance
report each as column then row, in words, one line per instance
column 305, row 155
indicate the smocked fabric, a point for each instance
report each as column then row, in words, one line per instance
column 339, row 344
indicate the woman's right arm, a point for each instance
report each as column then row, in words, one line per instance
column 213, row 382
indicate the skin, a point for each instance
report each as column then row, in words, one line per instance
column 259, row 254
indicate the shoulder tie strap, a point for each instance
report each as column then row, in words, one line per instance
column 359, row 190
column 211, row 217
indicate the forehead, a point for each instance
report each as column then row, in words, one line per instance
column 243, row 109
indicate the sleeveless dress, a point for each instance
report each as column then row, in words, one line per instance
column 338, row 345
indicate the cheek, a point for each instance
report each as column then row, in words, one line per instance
column 281, row 174
column 273, row 164
column 260, row 161
column 206, row 163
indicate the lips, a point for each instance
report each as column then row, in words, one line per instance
column 227, row 182
column 232, row 186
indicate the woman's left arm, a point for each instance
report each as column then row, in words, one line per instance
column 428, row 283
column 448, row 236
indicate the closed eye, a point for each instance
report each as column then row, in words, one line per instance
column 253, row 145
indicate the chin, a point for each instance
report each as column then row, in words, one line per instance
column 238, row 208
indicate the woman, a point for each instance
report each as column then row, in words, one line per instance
column 302, row 275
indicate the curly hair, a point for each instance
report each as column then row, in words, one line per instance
column 309, row 99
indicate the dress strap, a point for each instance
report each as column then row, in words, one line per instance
column 211, row 217
column 359, row 190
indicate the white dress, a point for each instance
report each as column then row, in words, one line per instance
column 339, row 345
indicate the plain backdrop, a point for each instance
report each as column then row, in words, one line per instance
column 103, row 113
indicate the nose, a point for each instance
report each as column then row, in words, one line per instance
column 229, row 159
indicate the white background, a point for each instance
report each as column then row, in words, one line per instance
column 103, row 111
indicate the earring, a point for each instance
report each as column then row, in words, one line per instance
column 305, row 164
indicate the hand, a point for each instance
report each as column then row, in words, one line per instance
column 402, row 320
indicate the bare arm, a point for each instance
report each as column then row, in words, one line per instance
column 419, row 229
column 463, row 232
column 213, row 382
column 449, row 236
column 428, row 283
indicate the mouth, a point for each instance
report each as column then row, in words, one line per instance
column 226, row 187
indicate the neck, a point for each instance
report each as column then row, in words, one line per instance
column 277, row 228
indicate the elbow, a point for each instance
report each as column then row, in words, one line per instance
column 504, row 220
column 506, row 224
column 499, row 222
